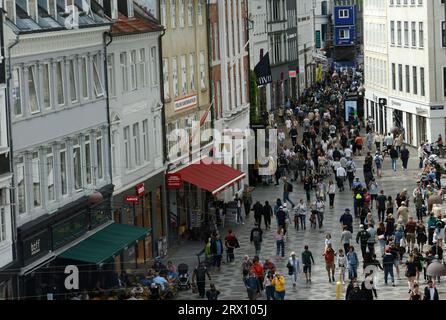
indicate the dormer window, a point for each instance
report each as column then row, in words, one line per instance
column 10, row 9
column 32, row 9
column 114, row 9
column 131, row 14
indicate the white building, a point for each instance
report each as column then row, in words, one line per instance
column 258, row 45
column 376, row 63
column 415, row 69
column 305, row 41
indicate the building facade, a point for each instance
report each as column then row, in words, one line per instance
column 322, row 20
column 345, row 30
column 133, row 73
column 306, row 43
column 258, row 46
column 415, row 87
column 283, row 49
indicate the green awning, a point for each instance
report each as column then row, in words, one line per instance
column 106, row 243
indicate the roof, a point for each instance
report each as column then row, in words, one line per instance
column 125, row 25
column 105, row 243
column 211, row 175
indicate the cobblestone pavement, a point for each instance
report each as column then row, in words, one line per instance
column 229, row 281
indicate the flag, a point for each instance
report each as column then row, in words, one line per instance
column 263, row 71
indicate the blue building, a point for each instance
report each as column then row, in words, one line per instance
column 345, row 25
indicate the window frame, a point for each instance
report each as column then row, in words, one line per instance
column 21, row 170
column 36, row 155
column 32, row 71
column 50, row 154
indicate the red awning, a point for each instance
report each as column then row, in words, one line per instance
column 211, row 175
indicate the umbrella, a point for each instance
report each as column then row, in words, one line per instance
column 436, row 269
column 436, row 198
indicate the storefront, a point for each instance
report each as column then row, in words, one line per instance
column 196, row 190
column 143, row 205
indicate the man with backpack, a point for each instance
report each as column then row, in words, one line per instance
column 350, row 168
column 256, row 238
column 362, row 238
column 287, row 188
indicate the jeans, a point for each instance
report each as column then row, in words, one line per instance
column 394, row 164
column 270, row 293
column 258, row 246
column 388, row 270
column 217, row 260
column 280, row 295
column 230, row 256
column 320, row 218
column 280, row 247
column 405, row 163
column 239, row 215
column 302, row 221
column 381, row 214
column 331, row 196
column 352, row 272
column 286, row 197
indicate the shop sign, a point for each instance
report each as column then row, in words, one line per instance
column 173, row 181
column 292, row 73
column 185, row 103
column 140, row 189
column 36, row 246
column 131, row 199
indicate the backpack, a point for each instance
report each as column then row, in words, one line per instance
column 289, row 187
column 256, row 236
column 377, row 160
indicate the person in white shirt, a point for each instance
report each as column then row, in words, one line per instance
column 301, row 210
column 319, row 205
column 389, row 142
column 340, row 177
column 421, row 155
column 281, row 137
column 331, row 192
column 288, row 125
column 341, row 261
column 348, row 152
column 378, row 141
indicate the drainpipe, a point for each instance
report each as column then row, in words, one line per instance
column 107, row 102
column 11, row 160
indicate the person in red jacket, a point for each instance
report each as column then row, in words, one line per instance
column 257, row 269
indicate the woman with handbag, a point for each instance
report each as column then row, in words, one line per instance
column 293, row 266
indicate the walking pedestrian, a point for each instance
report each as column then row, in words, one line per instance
column 280, row 242
column 381, row 205
column 381, row 234
column 267, row 214
column 307, row 260
column 353, row 261
column 411, row 270
column 378, row 163
column 393, row 156
column 341, row 261
column 279, row 285
column 231, row 243
column 362, row 238
column 252, row 286
column 268, row 285
column 293, row 267
column 287, row 189
column 217, row 250
column 258, row 211
column 247, row 200
column 329, row 255
column 257, row 269
column 199, row 278
column 404, row 155
column 331, row 192
column 388, row 266
column 238, row 203
column 347, row 220
column 430, row 292
column 302, row 213
column 346, row 238
column 257, row 238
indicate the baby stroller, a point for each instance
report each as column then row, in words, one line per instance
column 183, row 277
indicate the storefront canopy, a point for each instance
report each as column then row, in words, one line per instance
column 105, row 244
column 211, row 175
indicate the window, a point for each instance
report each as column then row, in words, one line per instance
column 16, row 91
column 98, row 88
column 127, row 147
column 100, row 155
column 114, row 9
column 50, row 174
column 142, row 67
column 114, row 153
column 183, row 75
column 414, row 80
column 157, row 135
column 32, row 90
column 407, row 79
column 344, row 14
column 87, row 147
column 406, row 33
column 414, row 34
column 136, row 145
column 192, row 71
column 400, row 77
column 2, row 224
column 421, row 34
column 111, row 75
column 392, row 32
column 344, row 34
column 32, row 9
column 59, row 83
column 443, row 34
column 163, row 13
column 423, row 93
column 133, row 80
column 46, row 85
column 73, row 81
column 200, row 12
column 181, row 14
column 21, row 194
column 166, row 78
column 399, row 32
column 130, row 8
column 173, row 14
column 77, row 164
column 202, row 71
column 324, row 8
column 393, row 77
column 190, row 13
column 84, row 73
column 175, row 76
column 145, row 140
column 63, row 169
column 154, row 65
column 37, row 196
column 124, row 73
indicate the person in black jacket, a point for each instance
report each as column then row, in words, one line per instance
column 257, row 238
column 404, row 155
column 267, row 212
column 258, row 210
column 430, row 292
column 394, row 156
column 356, row 293
column 217, row 250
